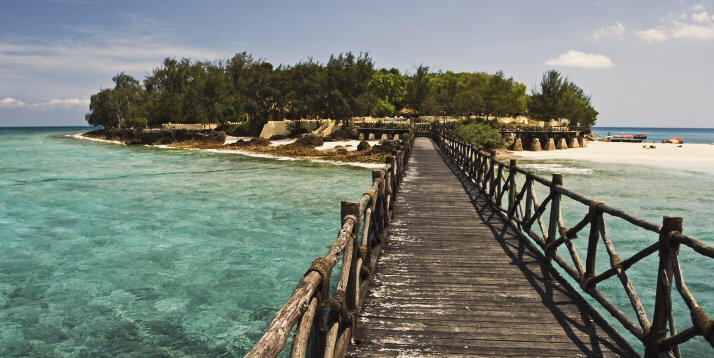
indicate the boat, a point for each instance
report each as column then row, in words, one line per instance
column 674, row 140
column 631, row 138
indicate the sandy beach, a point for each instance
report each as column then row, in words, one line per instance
column 350, row 145
column 695, row 156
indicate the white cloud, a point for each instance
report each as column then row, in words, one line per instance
column 697, row 26
column 55, row 103
column 9, row 102
column 652, row 35
column 137, row 48
column 616, row 30
column 574, row 58
column 701, row 17
column 692, row 31
column 67, row 103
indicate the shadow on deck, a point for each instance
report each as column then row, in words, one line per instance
column 457, row 280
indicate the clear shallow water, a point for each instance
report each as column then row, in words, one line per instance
column 690, row 135
column 108, row 250
column 648, row 193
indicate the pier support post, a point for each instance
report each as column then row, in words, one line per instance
column 562, row 143
column 535, row 145
column 574, row 143
column 518, row 145
column 550, row 144
column 583, row 142
column 663, row 299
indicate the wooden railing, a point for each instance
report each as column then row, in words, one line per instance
column 522, row 210
column 326, row 322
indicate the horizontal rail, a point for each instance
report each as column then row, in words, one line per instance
column 496, row 180
column 327, row 321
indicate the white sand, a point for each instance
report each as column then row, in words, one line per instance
column 231, row 139
column 694, row 156
column 348, row 144
column 241, row 152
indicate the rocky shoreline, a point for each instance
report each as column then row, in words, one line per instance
column 304, row 147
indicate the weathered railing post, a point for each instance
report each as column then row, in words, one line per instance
column 350, row 210
column 379, row 208
column 490, row 175
column 554, row 213
column 663, row 305
column 512, row 188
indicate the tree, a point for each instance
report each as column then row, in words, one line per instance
column 382, row 109
column 100, row 113
column 418, row 88
column 560, row 98
column 388, row 86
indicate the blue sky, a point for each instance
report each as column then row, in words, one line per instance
column 645, row 63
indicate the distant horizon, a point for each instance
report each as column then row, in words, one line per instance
column 640, row 65
column 88, row 126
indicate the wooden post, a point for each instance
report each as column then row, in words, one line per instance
column 351, row 210
column 554, row 212
column 379, row 208
column 663, row 306
column 512, row 188
column 491, row 174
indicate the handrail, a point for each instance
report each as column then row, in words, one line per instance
column 497, row 180
column 326, row 322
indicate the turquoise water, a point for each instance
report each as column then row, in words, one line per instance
column 689, row 135
column 648, row 193
column 108, row 250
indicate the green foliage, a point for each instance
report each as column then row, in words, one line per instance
column 253, row 91
column 382, row 109
column 388, row 86
column 479, row 134
column 135, row 122
column 560, row 98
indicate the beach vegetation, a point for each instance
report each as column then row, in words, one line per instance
column 559, row 98
column 383, row 109
column 253, row 91
column 479, row 134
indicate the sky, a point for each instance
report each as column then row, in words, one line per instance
column 645, row 63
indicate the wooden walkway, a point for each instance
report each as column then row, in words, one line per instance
column 455, row 281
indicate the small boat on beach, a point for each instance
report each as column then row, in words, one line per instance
column 674, row 140
column 631, row 138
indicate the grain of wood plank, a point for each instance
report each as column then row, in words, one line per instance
column 455, row 281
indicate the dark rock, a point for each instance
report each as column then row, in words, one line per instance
column 261, row 142
column 362, row 146
column 309, row 140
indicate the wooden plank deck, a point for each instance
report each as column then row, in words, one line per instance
column 455, row 281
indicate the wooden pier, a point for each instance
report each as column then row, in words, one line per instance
column 468, row 256
column 455, row 280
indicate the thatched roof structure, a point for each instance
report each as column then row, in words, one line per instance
column 407, row 112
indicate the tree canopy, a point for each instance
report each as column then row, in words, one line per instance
column 560, row 98
column 253, row 91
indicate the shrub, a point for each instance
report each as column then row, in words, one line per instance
column 136, row 122
column 383, row 109
column 479, row 134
